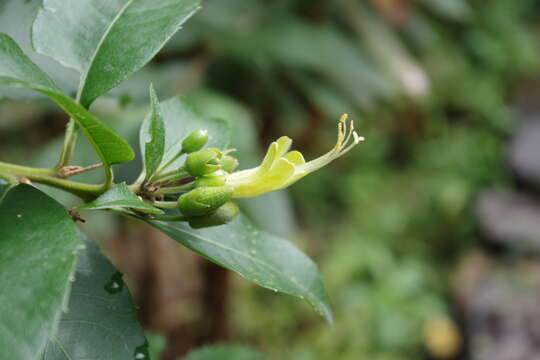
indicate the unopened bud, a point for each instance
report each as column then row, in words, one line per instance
column 229, row 163
column 221, row 216
column 195, row 141
column 203, row 162
column 204, row 200
column 215, row 179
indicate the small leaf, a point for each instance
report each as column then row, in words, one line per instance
column 100, row 315
column 155, row 148
column 38, row 242
column 17, row 70
column 180, row 120
column 265, row 259
column 120, row 197
column 107, row 40
column 224, row 352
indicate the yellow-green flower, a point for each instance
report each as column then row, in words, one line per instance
column 280, row 168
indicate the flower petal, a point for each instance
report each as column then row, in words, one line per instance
column 263, row 182
column 282, row 170
column 269, row 158
column 295, row 157
column 284, row 144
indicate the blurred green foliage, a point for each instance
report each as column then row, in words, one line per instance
column 428, row 83
column 388, row 222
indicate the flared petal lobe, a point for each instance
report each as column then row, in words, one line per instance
column 281, row 168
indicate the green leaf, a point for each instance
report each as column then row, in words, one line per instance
column 4, row 187
column 16, row 18
column 107, row 40
column 265, row 259
column 16, row 69
column 120, row 197
column 155, row 147
column 38, row 242
column 224, row 352
column 180, row 120
column 101, row 321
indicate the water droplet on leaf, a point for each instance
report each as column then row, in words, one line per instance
column 141, row 352
column 116, row 284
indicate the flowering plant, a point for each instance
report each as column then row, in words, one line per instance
column 186, row 188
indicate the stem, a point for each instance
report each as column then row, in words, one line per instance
column 13, row 169
column 68, row 171
column 69, row 145
column 172, row 176
column 46, row 177
column 170, row 218
column 139, row 180
column 180, row 170
column 70, row 141
column 167, row 164
column 9, row 178
column 109, row 177
column 165, row 204
column 175, row 189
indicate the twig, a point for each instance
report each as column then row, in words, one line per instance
column 72, row 170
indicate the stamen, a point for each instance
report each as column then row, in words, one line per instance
column 358, row 138
column 340, row 135
column 279, row 169
column 228, row 151
column 351, row 131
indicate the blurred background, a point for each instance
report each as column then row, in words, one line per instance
column 427, row 235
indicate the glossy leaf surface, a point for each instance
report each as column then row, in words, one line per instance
column 101, row 320
column 38, row 242
column 155, row 145
column 181, row 119
column 265, row 259
column 16, row 18
column 16, row 69
column 120, row 197
column 107, row 40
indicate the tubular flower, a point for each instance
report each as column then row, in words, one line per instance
column 280, row 168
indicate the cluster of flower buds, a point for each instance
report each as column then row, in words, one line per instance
column 208, row 204
column 205, row 199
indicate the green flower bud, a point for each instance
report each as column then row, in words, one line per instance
column 229, row 163
column 222, row 215
column 204, row 200
column 215, row 179
column 203, row 162
column 195, row 141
